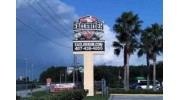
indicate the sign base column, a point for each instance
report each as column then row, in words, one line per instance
column 89, row 73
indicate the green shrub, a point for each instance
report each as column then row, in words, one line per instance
column 61, row 95
column 18, row 97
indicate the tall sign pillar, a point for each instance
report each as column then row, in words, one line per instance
column 88, row 33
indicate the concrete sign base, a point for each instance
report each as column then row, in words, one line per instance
column 89, row 70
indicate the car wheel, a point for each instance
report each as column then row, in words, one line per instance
column 139, row 88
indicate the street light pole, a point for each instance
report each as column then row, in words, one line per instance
column 32, row 72
column 26, row 74
column 29, row 72
column 29, row 76
column 60, row 76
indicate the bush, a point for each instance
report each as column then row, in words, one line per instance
column 18, row 97
column 121, row 91
column 63, row 95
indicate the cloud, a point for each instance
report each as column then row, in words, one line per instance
column 110, row 59
column 39, row 51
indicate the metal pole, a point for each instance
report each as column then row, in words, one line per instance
column 74, row 69
column 60, row 75
column 65, row 73
column 29, row 79
column 26, row 75
column 32, row 73
column 29, row 76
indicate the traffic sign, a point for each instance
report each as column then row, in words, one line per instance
column 48, row 80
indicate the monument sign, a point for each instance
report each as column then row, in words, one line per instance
column 88, row 33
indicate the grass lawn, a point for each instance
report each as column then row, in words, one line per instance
column 96, row 97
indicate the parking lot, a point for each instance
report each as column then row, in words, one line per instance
column 140, row 97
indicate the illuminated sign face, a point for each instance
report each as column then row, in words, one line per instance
column 88, row 28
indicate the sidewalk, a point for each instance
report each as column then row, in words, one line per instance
column 136, row 97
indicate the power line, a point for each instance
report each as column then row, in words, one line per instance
column 52, row 16
column 55, row 13
column 47, row 20
column 40, row 34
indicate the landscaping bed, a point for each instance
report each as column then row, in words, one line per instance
column 78, row 94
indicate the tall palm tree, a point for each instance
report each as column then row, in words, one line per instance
column 145, row 49
column 157, row 47
column 127, row 26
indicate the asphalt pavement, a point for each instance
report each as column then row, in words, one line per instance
column 136, row 97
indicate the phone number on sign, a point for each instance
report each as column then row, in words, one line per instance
column 88, row 48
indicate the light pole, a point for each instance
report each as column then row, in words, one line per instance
column 60, row 76
column 32, row 72
column 29, row 76
column 65, row 72
column 26, row 74
column 32, row 80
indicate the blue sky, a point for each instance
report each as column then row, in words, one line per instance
column 149, row 11
column 43, row 53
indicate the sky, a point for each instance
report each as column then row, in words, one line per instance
column 52, row 46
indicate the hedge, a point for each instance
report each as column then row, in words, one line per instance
column 78, row 94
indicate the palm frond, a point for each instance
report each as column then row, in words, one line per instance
column 140, row 52
column 117, row 51
column 117, row 45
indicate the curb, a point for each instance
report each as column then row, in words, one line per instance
column 111, row 97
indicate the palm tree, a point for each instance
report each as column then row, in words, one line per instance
column 127, row 26
column 157, row 47
column 145, row 48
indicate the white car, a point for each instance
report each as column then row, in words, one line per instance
column 143, row 85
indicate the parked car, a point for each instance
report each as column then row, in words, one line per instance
column 143, row 85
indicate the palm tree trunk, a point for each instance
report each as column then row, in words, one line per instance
column 125, row 78
column 147, row 60
column 127, row 81
column 125, row 70
column 154, row 72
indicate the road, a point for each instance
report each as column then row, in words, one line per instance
column 143, row 97
column 24, row 93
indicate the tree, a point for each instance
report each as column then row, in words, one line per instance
column 157, row 47
column 57, row 74
column 127, row 26
column 145, row 48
